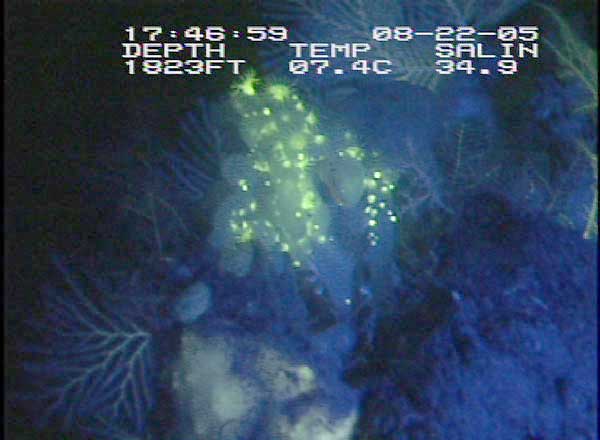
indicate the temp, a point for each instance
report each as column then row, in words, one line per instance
column 329, row 50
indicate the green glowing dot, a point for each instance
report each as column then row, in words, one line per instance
column 298, row 141
column 252, row 206
column 267, row 183
column 393, row 219
column 377, row 174
column 384, row 189
column 391, row 186
column 243, row 183
column 371, row 198
column 311, row 118
column 355, row 153
column 298, row 214
column 370, row 183
column 309, row 201
column 374, row 212
column 279, row 92
column 296, row 263
column 262, row 166
column 287, row 164
column 382, row 205
column 285, row 247
column 322, row 239
column 320, row 139
column 367, row 209
column 247, row 235
column 242, row 212
column 372, row 222
column 266, row 111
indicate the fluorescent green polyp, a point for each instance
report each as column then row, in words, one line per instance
column 248, row 84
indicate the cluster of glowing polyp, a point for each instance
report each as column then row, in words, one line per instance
column 379, row 187
column 276, row 200
column 355, row 176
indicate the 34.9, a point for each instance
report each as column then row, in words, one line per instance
column 448, row 67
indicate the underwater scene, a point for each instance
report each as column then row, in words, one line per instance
column 301, row 220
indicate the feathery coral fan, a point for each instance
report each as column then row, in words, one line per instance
column 578, row 64
column 577, row 59
column 92, row 362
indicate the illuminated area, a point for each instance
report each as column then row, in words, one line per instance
column 276, row 200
